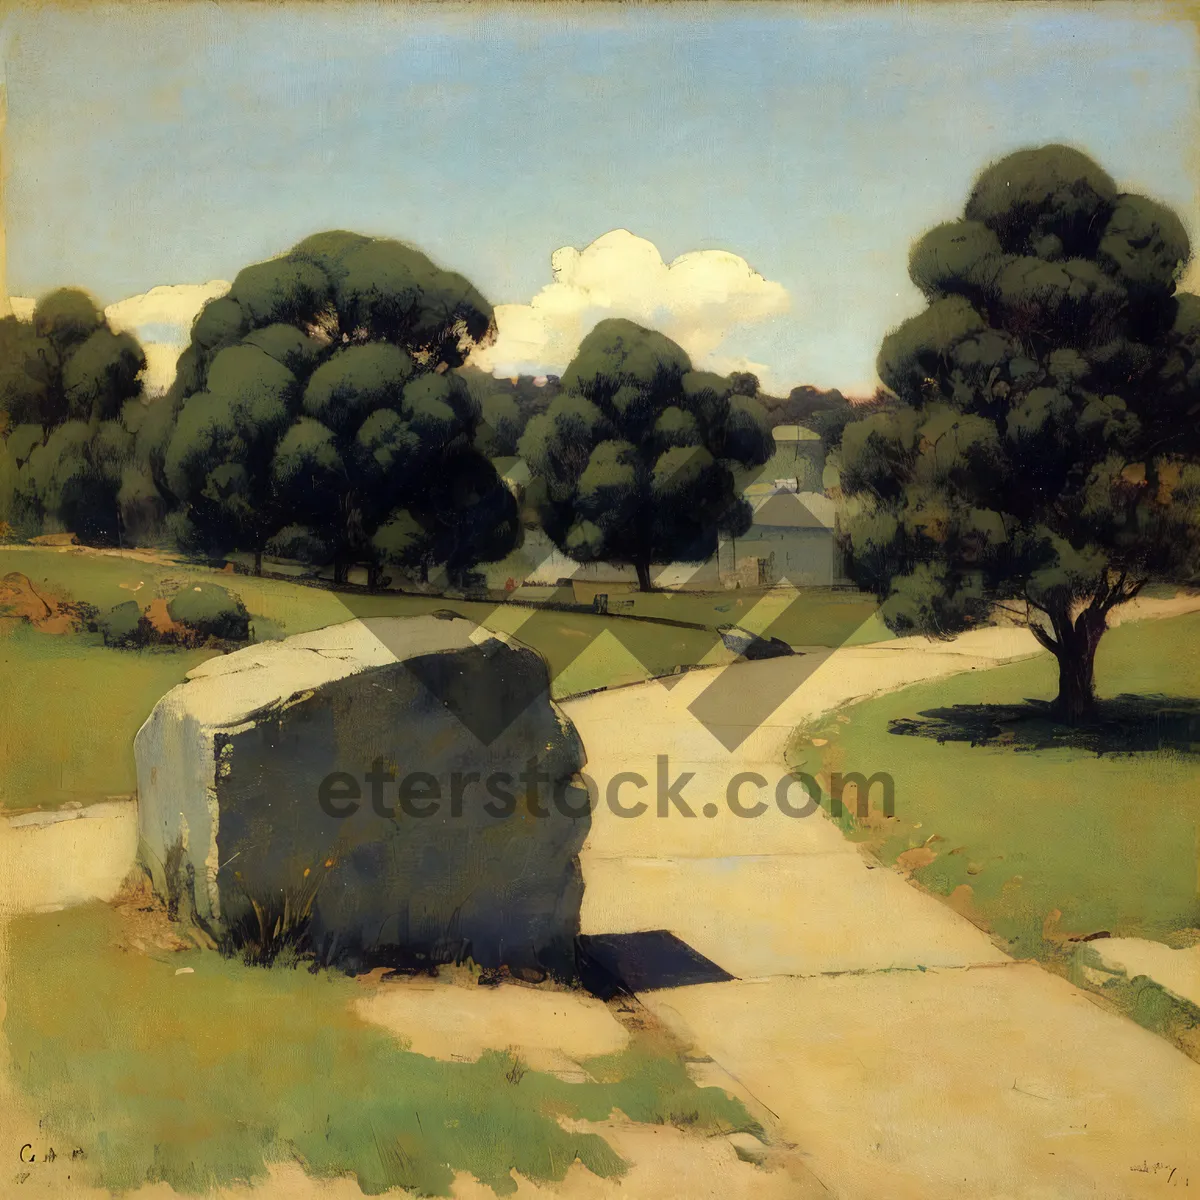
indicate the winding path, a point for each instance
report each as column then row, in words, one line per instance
column 887, row 1038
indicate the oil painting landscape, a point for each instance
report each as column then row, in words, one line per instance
column 599, row 601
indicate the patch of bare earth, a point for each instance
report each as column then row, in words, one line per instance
column 23, row 604
column 146, row 926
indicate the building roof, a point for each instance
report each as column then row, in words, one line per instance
column 780, row 507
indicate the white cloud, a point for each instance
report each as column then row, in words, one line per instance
column 726, row 365
column 162, row 320
column 161, row 360
column 697, row 300
column 175, row 305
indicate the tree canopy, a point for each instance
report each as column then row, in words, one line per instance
column 1040, row 449
column 316, row 413
column 66, row 364
column 67, row 383
column 507, row 406
column 634, row 461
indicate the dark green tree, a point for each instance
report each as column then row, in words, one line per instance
column 501, row 423
column 507, row 405
column 66, row 364
column 75, row 481
column 24, row 373
column 318, row 404
column 1040, row 448
column 67, row 381
column 634, row 461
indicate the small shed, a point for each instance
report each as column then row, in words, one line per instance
column 794, row 540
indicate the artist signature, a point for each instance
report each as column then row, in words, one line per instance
column 31, row 1155
column 1145, row 1167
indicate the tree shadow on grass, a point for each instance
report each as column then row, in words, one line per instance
column 1125, row 724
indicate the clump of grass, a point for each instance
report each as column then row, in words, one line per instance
column 517, row 1071
column 176, row 879
column 207, row 610
column 273, row 929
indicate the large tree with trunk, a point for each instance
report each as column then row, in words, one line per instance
column 317, row 412
column 1040, row 450
column 635, row 461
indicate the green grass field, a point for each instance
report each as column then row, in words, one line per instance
column 200, row 1080
column 70, row 707
column 811, row 617
column 68, row 711
column 1039, row 845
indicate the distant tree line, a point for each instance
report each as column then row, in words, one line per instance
column 510, row 403
column 1034, row 446
column 323, row 412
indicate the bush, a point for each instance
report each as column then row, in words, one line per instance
column 300, row 544
column 210, row 611
column 122, row 625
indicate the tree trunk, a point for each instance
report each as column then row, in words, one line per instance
column 341, row 571
column 1076, row 654
column 1073, row 641
column 258, row 562
column 643, row 576
column 1076, row 700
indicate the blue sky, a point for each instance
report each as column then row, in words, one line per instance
column 174, row 143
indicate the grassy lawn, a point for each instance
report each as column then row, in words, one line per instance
column 1044, row 845
column 811, row 617
column 201, row 1079
column 68, row 711
column 71, row 707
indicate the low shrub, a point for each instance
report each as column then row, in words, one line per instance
column 208, row 611
column 122, row 625
column 197, row 615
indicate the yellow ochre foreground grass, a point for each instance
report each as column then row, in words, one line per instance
column 188, row 1068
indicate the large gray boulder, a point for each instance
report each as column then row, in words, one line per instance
column 364, row 791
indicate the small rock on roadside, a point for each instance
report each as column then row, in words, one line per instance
column 752, row 646
column 748, row 1148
